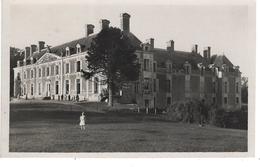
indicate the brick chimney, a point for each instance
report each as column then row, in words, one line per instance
column 41, row 45
column 125, row 22
column 27, row 52
column 195, row 48
column 170, row 46
column 104, row 23
column 209, row 52
column 89, row 29
column 33, row 48
column 152, row 43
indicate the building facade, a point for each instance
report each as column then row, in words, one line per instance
column 167, row 75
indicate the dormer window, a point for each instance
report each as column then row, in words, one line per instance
column 78, row 48
column 187, row 68
column 67, row 51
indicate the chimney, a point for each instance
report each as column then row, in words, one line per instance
column 89, row 29
column 125, row 22
column 104, row 23
column 205, row 53
column 27, row 52
column 195, row 48
column 152, row 43
column 209, row 51
column 33, row 49
column 170, row 46
column 41, row 45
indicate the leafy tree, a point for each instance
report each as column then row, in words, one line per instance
column 18, row 88
column 112, row 56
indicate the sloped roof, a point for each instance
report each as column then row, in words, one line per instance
column 220, row 60
column 85, row 43
column 178, row 58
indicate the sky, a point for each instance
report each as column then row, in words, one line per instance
column 223, row 27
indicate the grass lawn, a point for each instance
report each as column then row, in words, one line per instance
column 47, row 126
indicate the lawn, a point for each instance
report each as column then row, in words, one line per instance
column 48, row 126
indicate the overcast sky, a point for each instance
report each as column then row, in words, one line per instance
column 224, row 28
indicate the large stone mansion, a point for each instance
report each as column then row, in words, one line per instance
column 167, row 75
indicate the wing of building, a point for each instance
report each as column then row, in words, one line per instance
column 167, row 75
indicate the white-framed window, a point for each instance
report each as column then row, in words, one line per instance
column 32, row 89
column 146, row 64
column 78, row 48
column 57, row 69
column 56, row 87
column 67, row 86
column 31, row 73
column 39, row 89
column 67, row 68
column 48, row 71
column 67, row 51
column 78, row 66
column 78, row 86
column 39, row 72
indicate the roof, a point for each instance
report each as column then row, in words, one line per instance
column 178, row 58
column 85, row 43
column 220, row 60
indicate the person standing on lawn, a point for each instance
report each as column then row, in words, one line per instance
column 82, row 121
column 202, row 112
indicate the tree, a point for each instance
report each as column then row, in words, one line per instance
column 244, row 90
column 112, row 56
column 18, row 89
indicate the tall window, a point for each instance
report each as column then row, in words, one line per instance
column 57, row 69
column 39, row 72
column 67, row 68
column 90, row 85
column 136, row 87
column 154, row 85
column 39, row 89
column 48, row 71
column 96, row 85
column 237, row 100
column 225, row 100
column 78, row 86
column 237, row 87
column 78, row 48
column 31, row 73
column 43, row 71
column 24, row 75
column 168, row 85
column 67, row 51
column 187, row 70
column 56, row 87
column 67, row 86
column 154, row 67
column 78, row 66
column 32, row 89
column 225, row 87
column 146, row 64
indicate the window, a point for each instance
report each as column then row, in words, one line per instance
column 168, row 85
column 90, row 85
column 78, row 86
column 39, row 89
column 78, row 66
column 225, row 100
column 67, row 68
column 31, row 73
column 78, row 48
column 169, row 100
column 96, row 85
column 39, row 72
column 237, row 100
column 24, row 75
column 48, row 71
column 154, row 67
column 214, row 100
column 225, row 87
column 57, row 87
column 146, row 84
column 237, row 87
column 67, row 87
column 187, row 69
column 154, row 85
column 67, row 51
column 214, row 87
column 24, row 89
column 32, row 89
column 57, row 69
column 43, row 71
column 169, row 68
column 136, row 87
column 146, row 64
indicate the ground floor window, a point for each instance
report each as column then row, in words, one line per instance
column 169, row 100
column 39, row 88
column 96, row 85
column 57, row 87
column 32, row 89
column 24, row 89
column 146, row 103
column 90, row 85
column 67, row 86
column 78, row 86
